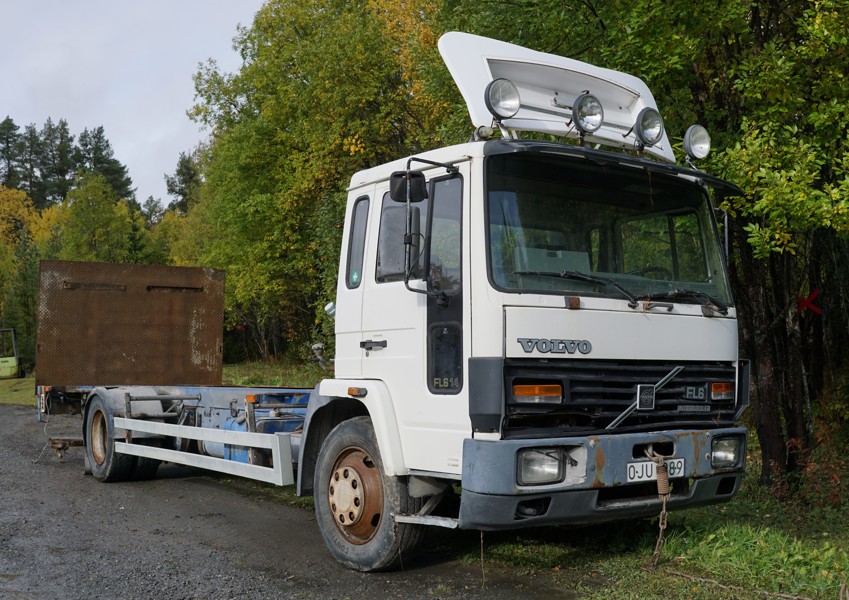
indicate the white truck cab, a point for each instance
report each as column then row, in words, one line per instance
column 527, row 321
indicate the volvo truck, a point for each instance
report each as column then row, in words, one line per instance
column 526, row 326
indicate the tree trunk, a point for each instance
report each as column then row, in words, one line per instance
column 790, row 354
column 751, row 284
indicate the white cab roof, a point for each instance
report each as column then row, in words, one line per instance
column 548, row 85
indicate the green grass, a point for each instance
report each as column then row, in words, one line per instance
column 18, row 391
column 717, row 552
column 257, row 489
column 277, row 374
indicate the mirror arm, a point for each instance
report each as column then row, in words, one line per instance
column 442, row 297
column 448, row 167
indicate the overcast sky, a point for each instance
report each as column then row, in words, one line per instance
column 123, row 64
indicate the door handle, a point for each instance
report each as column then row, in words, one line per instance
column 372, row 344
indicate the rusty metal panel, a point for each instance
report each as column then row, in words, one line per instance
column 117, row 324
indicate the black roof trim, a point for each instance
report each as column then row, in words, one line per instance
column 603, row 157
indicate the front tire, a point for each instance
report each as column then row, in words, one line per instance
column 355, row 500
column 106, row 464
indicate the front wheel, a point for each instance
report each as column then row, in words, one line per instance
column 355, row 499
column 106, row 464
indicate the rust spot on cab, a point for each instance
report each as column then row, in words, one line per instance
column 701, row 444
column 600, row 459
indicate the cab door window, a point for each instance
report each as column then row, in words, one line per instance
column 357, row 243
column 390, row 244
column 444, row 252
column 445, row 278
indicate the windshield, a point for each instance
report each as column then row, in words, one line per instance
column 551, row 217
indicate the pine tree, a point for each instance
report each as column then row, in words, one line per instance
column 9, row 140
column 95, row 155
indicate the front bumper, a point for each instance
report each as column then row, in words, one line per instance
column 596, row 488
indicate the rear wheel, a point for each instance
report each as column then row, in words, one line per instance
column 105, row 463
column 145, row 468
column 355, row 499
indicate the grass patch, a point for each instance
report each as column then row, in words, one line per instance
column 18, row 391
column 763, row 557
column 752, row 547
column 267, row 491
column 277, row 374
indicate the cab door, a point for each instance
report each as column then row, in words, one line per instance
column 413, row 339
column 349, row 288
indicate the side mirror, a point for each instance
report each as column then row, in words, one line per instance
column 391, row 249
column 399, row 182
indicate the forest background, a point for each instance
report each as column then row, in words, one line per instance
column 329, row 87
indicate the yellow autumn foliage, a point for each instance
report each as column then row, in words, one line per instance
column 16, row 215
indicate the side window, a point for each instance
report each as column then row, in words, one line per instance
column 444, row 266
column 390, row 244
column 357, row 243
column 444, row 254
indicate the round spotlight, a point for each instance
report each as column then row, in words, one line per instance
column 697, row 142
column 502, row 98
column 587, row 113
column 649, row 127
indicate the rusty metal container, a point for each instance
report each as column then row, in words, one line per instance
column 121, row 324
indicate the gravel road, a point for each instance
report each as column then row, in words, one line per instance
column 187, row 535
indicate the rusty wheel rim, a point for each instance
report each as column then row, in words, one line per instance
column 356, row 495
column 97, row 437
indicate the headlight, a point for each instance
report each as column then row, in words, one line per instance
column 587, row 113
column 502, row 98
column 649, row 127
column 726, row 452
column 538, row 466
column 696, row 142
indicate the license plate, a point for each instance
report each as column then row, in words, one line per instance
column 645, row 470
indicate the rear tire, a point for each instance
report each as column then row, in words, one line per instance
column 355, row 500
column 105, row 463
column 145, row 468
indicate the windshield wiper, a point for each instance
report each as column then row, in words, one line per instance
column 716, row 303
column 632, row 300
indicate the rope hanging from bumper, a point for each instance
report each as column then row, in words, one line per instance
column 663, row 490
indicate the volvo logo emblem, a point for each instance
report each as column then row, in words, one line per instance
column 555, row 346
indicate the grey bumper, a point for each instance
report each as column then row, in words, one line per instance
column 596, row 488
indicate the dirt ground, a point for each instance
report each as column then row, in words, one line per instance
column 186, row 535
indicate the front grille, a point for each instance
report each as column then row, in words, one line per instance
column 597, row 392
